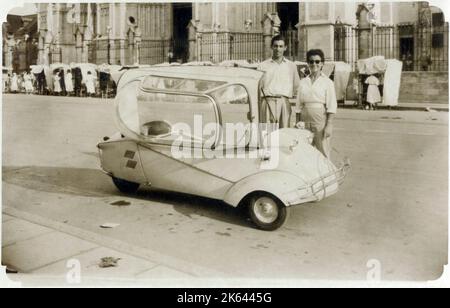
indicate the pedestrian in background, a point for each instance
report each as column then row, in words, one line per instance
column 78, row 80
column 62, row 82
column 14, row 87
column 68, row 82
column 279, row 83
column 90, row 84
column 104, row 79
column 316, row 102
column 21, row 82
column 6, row 83
column 28, row 83
column 56, row 84
column 373, row 92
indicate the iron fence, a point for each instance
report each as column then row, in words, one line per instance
column 292, row 44
column 153, row 51
column 98, row 52
column 115, row 51
column 419, row 48
column 220, row 46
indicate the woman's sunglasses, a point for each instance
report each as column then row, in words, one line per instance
column 314, row 61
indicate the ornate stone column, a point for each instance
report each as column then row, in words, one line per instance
column 41, row 49
column 88, row 36
column 271, row 27
column 364, row 31
column 137, row 44
column 78, row 46
column 47, row 47
column 192, row 26
column 10, row 45
column 425, row 36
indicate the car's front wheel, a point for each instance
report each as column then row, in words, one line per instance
column 267, row 212
column 125, row 186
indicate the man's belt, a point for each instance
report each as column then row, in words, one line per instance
column 276, row 96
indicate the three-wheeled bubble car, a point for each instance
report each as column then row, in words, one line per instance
column 196, row 130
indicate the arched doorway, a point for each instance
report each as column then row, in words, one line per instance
column 181, row 16
column 288, row 12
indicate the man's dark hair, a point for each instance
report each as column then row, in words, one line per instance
column 315, row 52
column 278, row 37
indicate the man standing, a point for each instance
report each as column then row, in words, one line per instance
column 278, row 85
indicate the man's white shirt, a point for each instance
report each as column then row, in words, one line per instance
column 280, row 78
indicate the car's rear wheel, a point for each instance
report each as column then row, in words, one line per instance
column 267, row 212
column 125, row 186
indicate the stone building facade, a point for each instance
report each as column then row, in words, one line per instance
column 20, row 49
column 149, row 33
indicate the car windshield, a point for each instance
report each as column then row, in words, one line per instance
column 179, row 84
column 234, row 104
column 163, row 117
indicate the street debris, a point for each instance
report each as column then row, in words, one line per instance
column 430, row 109
column 121, row 203
column 392, row 118
column 108, row 262
column 109, row 225
column 223, row 233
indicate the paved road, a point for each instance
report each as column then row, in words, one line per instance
column 391, row 210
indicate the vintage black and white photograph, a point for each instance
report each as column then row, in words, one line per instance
column 224, row 144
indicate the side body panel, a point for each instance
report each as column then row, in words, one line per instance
column 165, row 172
column 121, row 159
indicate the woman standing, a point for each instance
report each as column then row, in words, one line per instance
column 316, row 102
column 28, row 83
column 14, row 87
column 68, row 82
column 90, row 84
column 373, row 92
column 56, row 84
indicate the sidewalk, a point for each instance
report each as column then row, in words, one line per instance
column 408, row 106
column 401, row 106
column 45, row 253
column 422, row 106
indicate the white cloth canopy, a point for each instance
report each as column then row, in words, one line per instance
column 392, row 79
column 341, row 72
column 373, row 65
column 63, row 66
column 36, row 69
column 85, row 68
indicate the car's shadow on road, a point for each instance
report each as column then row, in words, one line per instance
column 86, row 182
column 190, row 205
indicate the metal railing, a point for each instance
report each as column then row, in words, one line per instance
column 98, row 51
column 419, row 48
column 217, row 47
column 292, row 43
column 153, row 51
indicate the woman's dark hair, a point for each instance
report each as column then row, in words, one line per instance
column 278, row 38
column 315, row 52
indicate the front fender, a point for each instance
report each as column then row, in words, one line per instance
column 277, row 183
